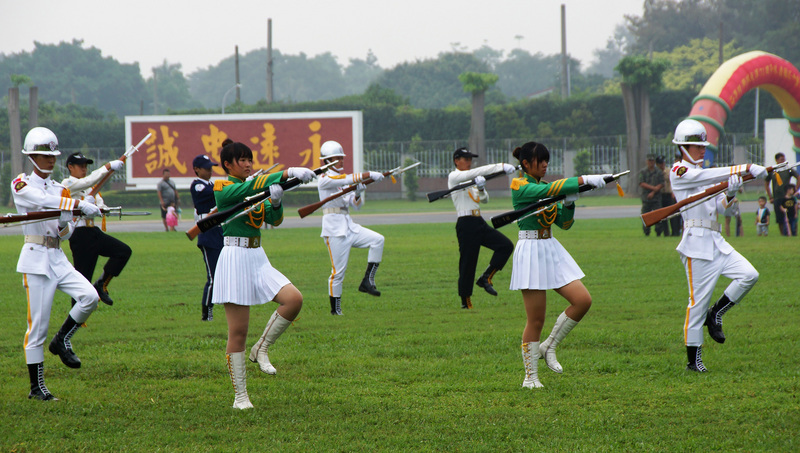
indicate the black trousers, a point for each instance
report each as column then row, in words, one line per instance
column 651, row 205
column 210, row 257
column 780, row 218
column 472, row 233
column 89, row 243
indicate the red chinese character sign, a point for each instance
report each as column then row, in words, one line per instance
column 285, row 139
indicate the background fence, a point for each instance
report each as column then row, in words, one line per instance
column 583, row 155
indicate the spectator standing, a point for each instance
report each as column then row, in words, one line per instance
column 776, row 191
column 651, row 181
column 762, row 217
column 167, row 196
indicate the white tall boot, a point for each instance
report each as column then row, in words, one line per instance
column 276, row 325
column 547, row 349
column 530, row 357
column 238, row 372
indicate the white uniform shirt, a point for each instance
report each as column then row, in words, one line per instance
column 340, row 223
column 32, row 193
column 688, row 179
column 468, row 199
column 80, row 188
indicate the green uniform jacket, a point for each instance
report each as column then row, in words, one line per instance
column 229, row 192
column 527, row 190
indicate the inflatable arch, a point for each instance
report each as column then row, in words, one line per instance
column 736, row 77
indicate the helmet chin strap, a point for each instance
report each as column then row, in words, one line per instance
column 336, row 169
column 39, row 168
column 688, row 157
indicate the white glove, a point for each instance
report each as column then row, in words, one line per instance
column 90, row 199
column 116, row 165
column 570, row 199
column 480, row 182
column 88, row 209
column 758, row 171
column 509, row 169
column 734, row 184
column 64, row 219
column 275, row 194
column 360, row 188
column 376, row 176
column 301, row 173
column 597, row 181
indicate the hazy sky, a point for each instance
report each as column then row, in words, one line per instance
column 201, row 33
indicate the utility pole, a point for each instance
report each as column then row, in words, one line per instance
column 269, row 61
column 236, row 62
column 564, row 62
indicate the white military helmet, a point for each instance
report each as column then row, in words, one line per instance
column 690, row 132
column 41, row 140
column 330, row 149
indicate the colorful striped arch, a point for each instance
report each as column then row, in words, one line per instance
column 736, row 77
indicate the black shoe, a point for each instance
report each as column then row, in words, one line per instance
column 714, row 329
column 695, row 368
column 366, row 287
column 101, row 291
column 484, row 283
column 38, row 394
column 336, row 305
column 65, row 352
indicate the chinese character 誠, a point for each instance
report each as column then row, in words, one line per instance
column 162, row 152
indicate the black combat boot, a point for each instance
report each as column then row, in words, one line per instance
column 61, row 346
column 695, row 356
column 368, row 283
column 38, row 389
column 101, row 285
column 714, row 318
column 485, row 281
column 336, row 305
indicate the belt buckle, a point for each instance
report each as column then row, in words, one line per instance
column 255, row 242
column 545, row 233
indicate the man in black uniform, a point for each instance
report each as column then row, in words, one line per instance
column 210, row 243
column 89, row 242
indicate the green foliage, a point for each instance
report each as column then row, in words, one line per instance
column 172, row 89
column 692, row 65
column 640, row 70
column 432, row 83
column 410, row 179
column 475, row 82
column 582, row 162
column 20, row 79
column 411, row 370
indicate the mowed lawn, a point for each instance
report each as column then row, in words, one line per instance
column 411, row 370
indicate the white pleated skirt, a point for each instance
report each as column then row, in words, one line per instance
column 244, row 276
column 542, row 264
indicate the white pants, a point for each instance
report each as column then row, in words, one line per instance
column 339, row 251
column 40, row 290
column 702, row 276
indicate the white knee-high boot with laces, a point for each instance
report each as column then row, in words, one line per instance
column 547, row 349
column 238, row 372
column 530, row 357
column 276, row 325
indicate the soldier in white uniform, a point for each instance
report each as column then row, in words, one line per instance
column 338, row 229
column 42, row 263
column 472, row 231
column 89, row 242
column 704, row 251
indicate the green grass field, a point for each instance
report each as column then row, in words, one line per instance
column 411, row 371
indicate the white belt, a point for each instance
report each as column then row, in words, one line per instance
column 237, row 241
column 336, row 211
column 47, row 241
column 472, row 213
column 697, row 223
column 544, row 233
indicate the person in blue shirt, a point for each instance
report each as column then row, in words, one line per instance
column 210, row 242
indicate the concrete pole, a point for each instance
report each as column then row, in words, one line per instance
column 269, row 61
column 564, row 73
column 236, row 62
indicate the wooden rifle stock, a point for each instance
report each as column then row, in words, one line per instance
column 308, row 209
column 35, row 215
column 433, row 196
column 511, row 216
column 218, row 218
